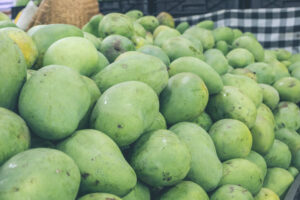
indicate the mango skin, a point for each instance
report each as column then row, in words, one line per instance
column 139, row 30
column 279, row 155
column 155, row 51
column 246, row 85
column 74, row 52
column 93, row 39
column 135, row 67
column 266, row 194
column 207, row 24
column 264, row 72
column 182, row 27
column 102, row 63
column 12, row 72
column 259, row 160
column 177, row 47
column 239, row 58
column 99, row 196
column 288, row 89
column 116, row 23
column 135, row 14
column 45, row 35
column 51, row 111
column 206, row 168
column 204, row 121
column 216, row 60
column 149, row 23
column 140, row 191
column 184, row 191
column 195, row 42
column 237, row 33
column 160, row 159
column 282, row 54
column 263, row 130
column 92, row 26
column 244, row 72
column 125, row 111
column 287, row 115
column 25, row 43
column 165, row 18
column 205, row 36
column 294, row 171
column 223, row 34
column 251, row 45
column 184, row 98
column 222, row 46
column 232, row 139
column 231, row 192
column 278, row 180
column 94, row 151
column 210, row 77
column 231, row 103
column 164, row 35
column 270, row 96
column 39, row 174
column 280, row 70
column 114, row 45
column 158, row 123
column 292, row 139
column 14, row 134
column 296, row 73
column 244, row 173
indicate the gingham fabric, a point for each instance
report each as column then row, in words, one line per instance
column 273, row 27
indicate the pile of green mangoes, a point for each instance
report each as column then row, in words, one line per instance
column 130, row 107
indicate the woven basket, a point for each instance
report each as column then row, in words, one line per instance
column 74, row 12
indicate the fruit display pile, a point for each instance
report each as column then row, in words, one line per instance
column 130, row 107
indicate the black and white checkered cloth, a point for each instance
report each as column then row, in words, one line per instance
column 273, row 27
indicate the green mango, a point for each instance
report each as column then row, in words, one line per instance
column 7, row 23
column 266, row 194
column 196, row 43
column 270, row 96
column 139, row 30
column 263, row 130
column 158, row 123
column 264, row 72
column 207, row 24
column 116, row 24
column 93, row 39
column 232, row 139
column 244, row 72
column 296, row 73
column 292, row 139
column 3, row 17
column 30, row 72
column 295, row 58
column 182, row 27
column 294, row 66
column 205, row 36
column 251, row 45
column 155, row 51
column 216, row 60
column 161, row 28
column 177, row 47
column 134, row 66
column 114, row 45
column 165, row 18
column 222, row 46
column 244, row 173
column 92, row 26
column 184, row 191
column 231, row 192
column 279, row 155
column 164, row 35
column 282, row 54
column 39, row 174
column 246, row 85
column 294, row 171
column 232, row 103
column 14, row 135
column 270, row 56
column 278, row 180
column 279, row 69
column 287, row 63
column 53, row 101
column 100, row 196
column 45, row 35
column 288, row 89
column 134, row 14
column 206, row 168
column 150, row 23
column 125, row 111
column 95, row 152
column 140, row 191
column 160, row 159
column 204, row 121
column 237, row 33
column 74, row 52
column 12, row 72
column 257, row 159
column 240, row 58
column 102, row 63
column 184, row 98
column 190, row 64
column 223, row 34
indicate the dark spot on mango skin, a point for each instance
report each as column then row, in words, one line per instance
column 97, row 182
column 68, row 174
column 292, row 84
column 117, row 45
column 166, row 176
column 231, row 189
column 120, row 126
column 16, row 189
column 85, row 175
